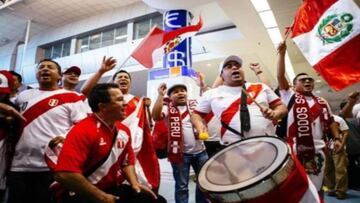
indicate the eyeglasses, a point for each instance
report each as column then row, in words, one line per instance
column 303, row 80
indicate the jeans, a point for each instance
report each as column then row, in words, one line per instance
column 181, row 176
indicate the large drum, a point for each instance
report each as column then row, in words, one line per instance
column 246, row 169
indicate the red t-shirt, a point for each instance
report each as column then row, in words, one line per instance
column 89, row 142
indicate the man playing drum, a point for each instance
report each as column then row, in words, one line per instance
column 240, row 116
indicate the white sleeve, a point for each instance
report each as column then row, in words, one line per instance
column 343, row 126
column 204, row 105
column 78, row 111
column 356, row 111
column 286, row 95
column 270, row 94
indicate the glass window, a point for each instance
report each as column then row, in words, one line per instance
column 48, row 51
column 66, row 49
column 120, row 34
column 141, row 29
column 83, row 44
column 95, row 41
column 57, row 50
column 107, row 38
column 158, row 21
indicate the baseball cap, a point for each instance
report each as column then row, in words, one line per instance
column 172, row 88
column 227, row 59
column 74, row 69
column 6, row 81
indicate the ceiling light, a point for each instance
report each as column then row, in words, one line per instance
column 275, row 35
column 289, row 68
column 268, row 19
column 260, row 5
column 209, row 64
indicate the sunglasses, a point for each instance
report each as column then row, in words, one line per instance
column 305, row 79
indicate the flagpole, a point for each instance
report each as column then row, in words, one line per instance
column 121, row 65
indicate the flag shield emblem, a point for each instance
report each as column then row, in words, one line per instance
column 333, row 28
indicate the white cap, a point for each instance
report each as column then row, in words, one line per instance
column 227, row 59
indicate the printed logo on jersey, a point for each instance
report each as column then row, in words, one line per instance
column 102, row 142
column 53, row 102
column 120, row 143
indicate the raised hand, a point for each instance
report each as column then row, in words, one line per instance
column 107, row 64
column 162, row 89
column 281, row 49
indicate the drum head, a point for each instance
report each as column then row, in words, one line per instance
column 243, row 164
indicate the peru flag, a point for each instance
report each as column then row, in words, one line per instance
column 328, row 34
column 157, row 42
column 146, row 163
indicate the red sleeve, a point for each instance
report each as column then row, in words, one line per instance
column 75, row 151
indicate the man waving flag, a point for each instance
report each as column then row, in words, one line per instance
column 328, row 34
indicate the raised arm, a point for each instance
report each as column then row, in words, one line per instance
column 282, row 81
column 107, row 64
column 157, row 109
column 346, row 110
column 260, row 74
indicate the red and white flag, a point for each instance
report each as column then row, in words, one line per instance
column 157, row 42
column 328, row 34
column 146, row 163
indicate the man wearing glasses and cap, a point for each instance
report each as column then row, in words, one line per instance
column 309, row 121
column 71, row 78
column 228, row 100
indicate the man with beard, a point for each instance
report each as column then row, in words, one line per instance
column 227, row 100
column 49, row 111
column 71, row 78
column 146, row 165
column 309, row 121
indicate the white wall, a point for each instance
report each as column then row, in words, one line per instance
column 7, row 56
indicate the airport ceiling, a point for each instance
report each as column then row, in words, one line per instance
column 252, row 43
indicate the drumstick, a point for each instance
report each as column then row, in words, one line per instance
column 252, row 99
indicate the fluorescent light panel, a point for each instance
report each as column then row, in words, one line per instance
column 260, row 5
column 275, row 35
column 268, row 19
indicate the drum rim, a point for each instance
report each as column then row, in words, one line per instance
column 281, row 164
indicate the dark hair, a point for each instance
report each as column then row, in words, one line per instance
column 57, row 65
column 121, row 71
column 296, row 77
column 100, row 94
column 342, row 104
column 17, row 75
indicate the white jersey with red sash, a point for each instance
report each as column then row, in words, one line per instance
column 224, row 102
column 310, row 118
column 48, row 114
column 146, row 165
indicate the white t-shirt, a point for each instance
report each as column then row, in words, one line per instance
column 356, row 112
column 49, row 114
column 191, row 145
column 342, row 124
column 220, row 99
column 317, row 131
